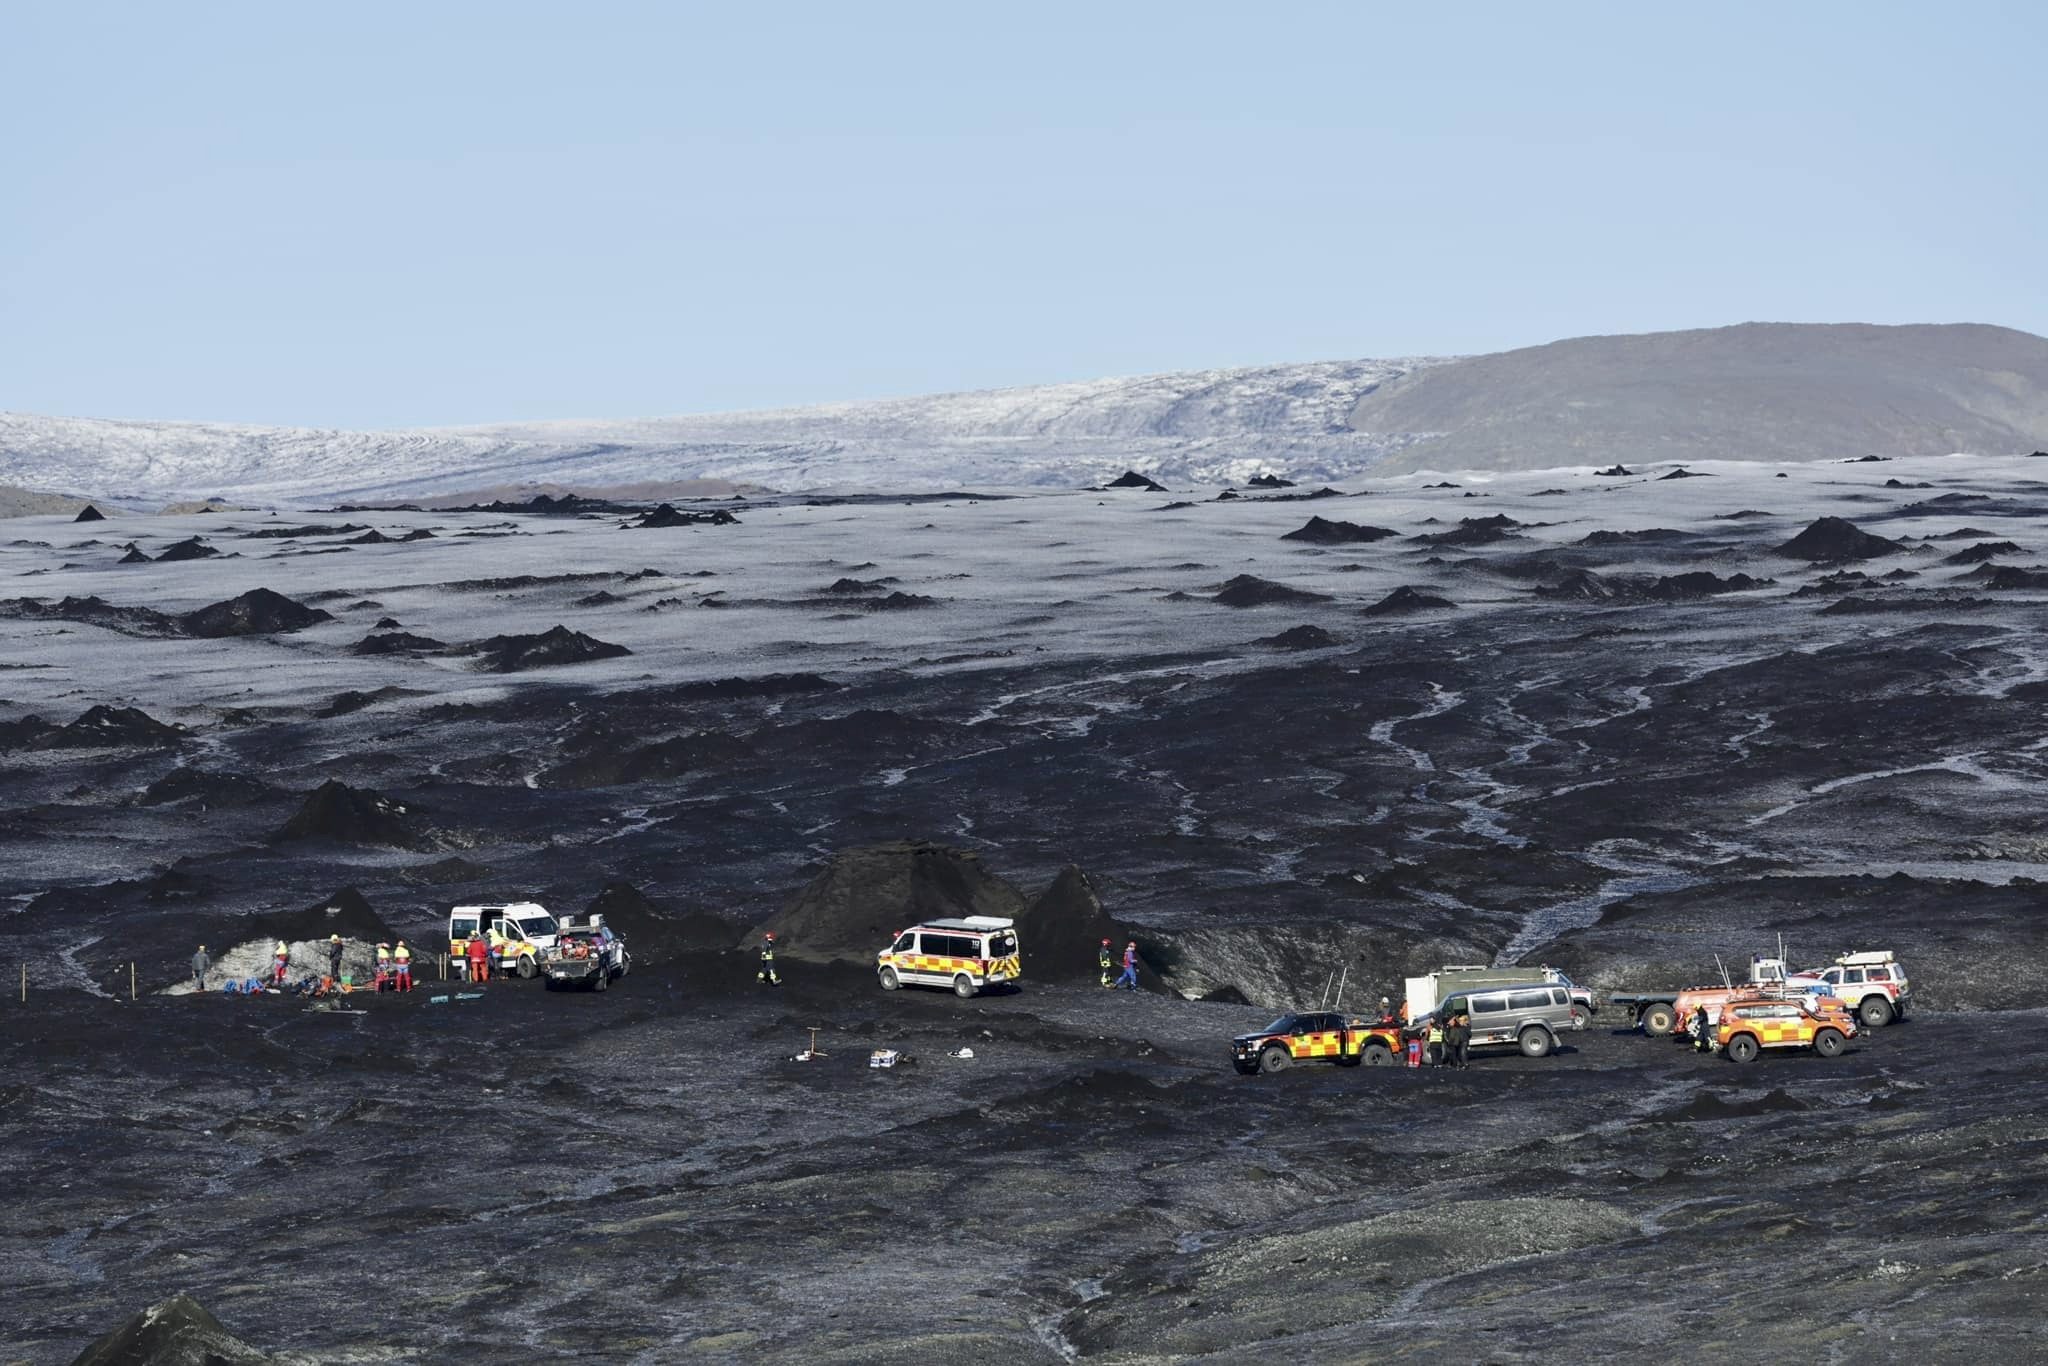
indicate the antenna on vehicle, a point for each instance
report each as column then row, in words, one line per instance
column 1339, row 1004
column 1726, row 980
column 1324, row 1002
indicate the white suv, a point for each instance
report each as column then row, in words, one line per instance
column 1872, row 984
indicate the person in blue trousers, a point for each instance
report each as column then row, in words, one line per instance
column 1130, row 978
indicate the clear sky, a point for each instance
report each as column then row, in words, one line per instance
column 371, row 214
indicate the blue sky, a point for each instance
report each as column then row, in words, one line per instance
column 386, row 215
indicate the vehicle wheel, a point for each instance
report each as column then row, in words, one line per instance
column 527, row 967
column 1536, row 1042
column 1829, row 1043
column 600, row 980
column 1742, row 1048
column 1875, row 1012
column 963, row 986
column 1275, row 1059
column 1579, row 1018
column 1659, row 1018
column 625, row 964
column 889, row 982
column 1378, row 1055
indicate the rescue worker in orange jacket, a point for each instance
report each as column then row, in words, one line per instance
column 479, row 959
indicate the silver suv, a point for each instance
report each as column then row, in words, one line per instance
column 1528, row 1015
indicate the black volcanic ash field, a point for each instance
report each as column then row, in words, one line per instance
column 1618, row 724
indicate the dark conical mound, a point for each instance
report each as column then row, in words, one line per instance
column 1583, row 585
column 1322, row 531
column 1405, row 599
column 509, row 654
column 339, row 812
column 1131, row 479
column 847, row 587
column 134, row 555
column 1248, row 590
column 258, row 612
column 178, row 1332
column 1832, row 539
column 370, row 537
column 346, row 913
column 2008, row 576
column 89, row 513
column 114, row 727
column 1299, row 638
column 192, row 549
column 1982, row 551
column 668, row 515
column 1700, row 583
column 1268, row 481
column 395, row 643
column 1614, row 472
column 1683, row 474
column 864, row 896
column 652, row 934
column 896, row 602
column 1061, row 934
column 1475, row 531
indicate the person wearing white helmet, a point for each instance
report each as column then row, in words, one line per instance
column 767, row 976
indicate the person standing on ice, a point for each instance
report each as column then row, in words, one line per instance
column 281, row 962
column 1106, row 960
column 334, row 957
column 1129, row 980
column 200, row 963
column 767, row 976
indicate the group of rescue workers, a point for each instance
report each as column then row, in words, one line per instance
column 393, row 970
column 1128, row 980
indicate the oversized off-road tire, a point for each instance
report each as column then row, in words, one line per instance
column 1535, row 1042
column 963, row 986
column 1875, row 1012
column 1829, row 1043
column 889, row 979
column 600, row 980
column 1580, row 1019
column 1742, row 1048
column 527, row 967
column 1275, row 1059
column 1377, row 1055
column 1659, row 1018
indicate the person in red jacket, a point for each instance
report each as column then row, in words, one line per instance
column 479, row 959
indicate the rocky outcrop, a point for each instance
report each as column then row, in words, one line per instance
column 177, row 1332
column 864, row 896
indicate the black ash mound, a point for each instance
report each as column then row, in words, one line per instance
column 653, row 935
column 396, row 643
column 190, row 549
column 1404, row 600
column 1583, row 585
column 177, row 1332
column 1833, row 539
column 1322, row 531
column 1474, row 531
column 1248, row 590
column 97, row 727
column 258, row 612
column 1656, row 535
column 1061, row 934
column 1299, row 638
column 1131, row 479
column 668, row 515
column 89, row 513
column 1266, row 481
column 1982, row 551
column 896, row 602
column 560, row 645
column 865, row 895
column 335, row 811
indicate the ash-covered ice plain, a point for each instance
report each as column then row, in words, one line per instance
column 1617, row 724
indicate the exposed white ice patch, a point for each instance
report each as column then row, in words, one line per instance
column 1964, row 764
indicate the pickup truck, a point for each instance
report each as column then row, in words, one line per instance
column 586, row 956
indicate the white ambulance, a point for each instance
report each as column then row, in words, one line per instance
column 968, row 954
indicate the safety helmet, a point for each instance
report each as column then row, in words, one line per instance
column 1105, row 943
column 334, row 939
column 770, row 936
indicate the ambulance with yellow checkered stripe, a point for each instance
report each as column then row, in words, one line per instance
column 1817, row 1022
column 968, row 955
column 1315, row 1036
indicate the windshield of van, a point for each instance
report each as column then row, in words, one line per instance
column 533, row 926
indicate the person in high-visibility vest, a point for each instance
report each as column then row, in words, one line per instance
column 767, row 976
column 401, row 959
column 1435, row 1051
column 1106, row 960
column 281, row 961
column 383, row 980
column 479, row 959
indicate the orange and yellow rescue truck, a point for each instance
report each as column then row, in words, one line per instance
column 1315, row 1036
column 967, row 955
column 1748, row 1027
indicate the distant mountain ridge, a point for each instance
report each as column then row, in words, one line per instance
column 1761, row 391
